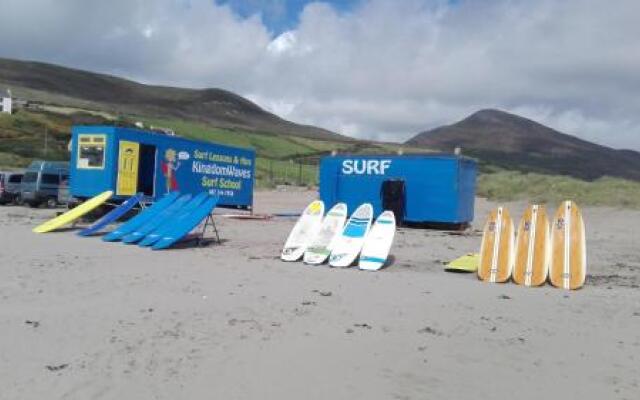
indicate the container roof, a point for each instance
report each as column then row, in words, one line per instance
column 448, row 156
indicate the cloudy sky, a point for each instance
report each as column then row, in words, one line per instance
column 379, row 69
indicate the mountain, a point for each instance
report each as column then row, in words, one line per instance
column 63, row 86
column 513, row 142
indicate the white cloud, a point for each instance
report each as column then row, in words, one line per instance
column 618, row 132
column 384, row 70
column 284, row 43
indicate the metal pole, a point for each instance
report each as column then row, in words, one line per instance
column 271, row 171
column 286, row 173
column 45, row 140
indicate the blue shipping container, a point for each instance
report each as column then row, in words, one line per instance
column 424, row 188
column 130, row 161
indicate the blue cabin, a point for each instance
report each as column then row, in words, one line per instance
column 417, row 188
column 129, row 161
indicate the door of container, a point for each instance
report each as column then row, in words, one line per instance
column 392, row 193
column 128, row 159
column 147, row 170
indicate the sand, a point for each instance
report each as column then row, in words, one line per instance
column 83, row 319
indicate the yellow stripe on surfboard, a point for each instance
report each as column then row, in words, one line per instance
column 73, row 214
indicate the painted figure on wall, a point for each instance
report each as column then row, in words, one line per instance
column 169, row 167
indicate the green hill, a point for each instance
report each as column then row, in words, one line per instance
column 56, row 85
column 287, row 153
column 516, row 143
column 61, row 97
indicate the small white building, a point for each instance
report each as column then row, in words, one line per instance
column 7, row 105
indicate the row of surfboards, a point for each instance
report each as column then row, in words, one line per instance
column 317, row 237
column 160, row 226
column 539, row 251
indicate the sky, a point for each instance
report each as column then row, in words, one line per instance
column 374, row 69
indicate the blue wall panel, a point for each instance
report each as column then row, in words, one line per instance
column 196, row 166
column 438, row 188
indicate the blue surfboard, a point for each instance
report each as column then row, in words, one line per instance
column 187, row 224
column 141, row 219
column 112, row 215
column 165, row 215
column 167, row 225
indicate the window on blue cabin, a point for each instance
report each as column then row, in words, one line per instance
column 91, row 150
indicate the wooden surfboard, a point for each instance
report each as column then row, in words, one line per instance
column 496, row 250
column 532, row 247
column 568, row 266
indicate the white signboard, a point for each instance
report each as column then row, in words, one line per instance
column 6, row 105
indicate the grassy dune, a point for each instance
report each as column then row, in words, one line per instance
column 509, row 185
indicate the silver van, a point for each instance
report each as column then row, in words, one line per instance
column 9, row 186
column 41, row 182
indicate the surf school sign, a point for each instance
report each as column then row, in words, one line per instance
column 222, row 171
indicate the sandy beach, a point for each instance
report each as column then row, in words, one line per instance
column 84, row 319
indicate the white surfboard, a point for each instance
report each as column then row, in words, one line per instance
column 303, row 231
column 378, row 242
column 332, row 225
column 349, row 243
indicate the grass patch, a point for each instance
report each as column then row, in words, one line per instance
column 9, row 161
column 270, row 173
column 269, row 145
column 23, row 134
column 539, row 188
column 272, row 145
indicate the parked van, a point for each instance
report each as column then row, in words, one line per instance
column 41, row 182
column 9, row 186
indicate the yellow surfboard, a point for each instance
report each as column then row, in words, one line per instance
column 466, row 263
column 73, row 214
column 568, row 267
column 496, row 250
column 532, row 247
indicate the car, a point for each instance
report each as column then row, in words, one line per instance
column 9, row 186
column 41, row 183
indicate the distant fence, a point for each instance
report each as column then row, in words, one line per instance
column 270, row 172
